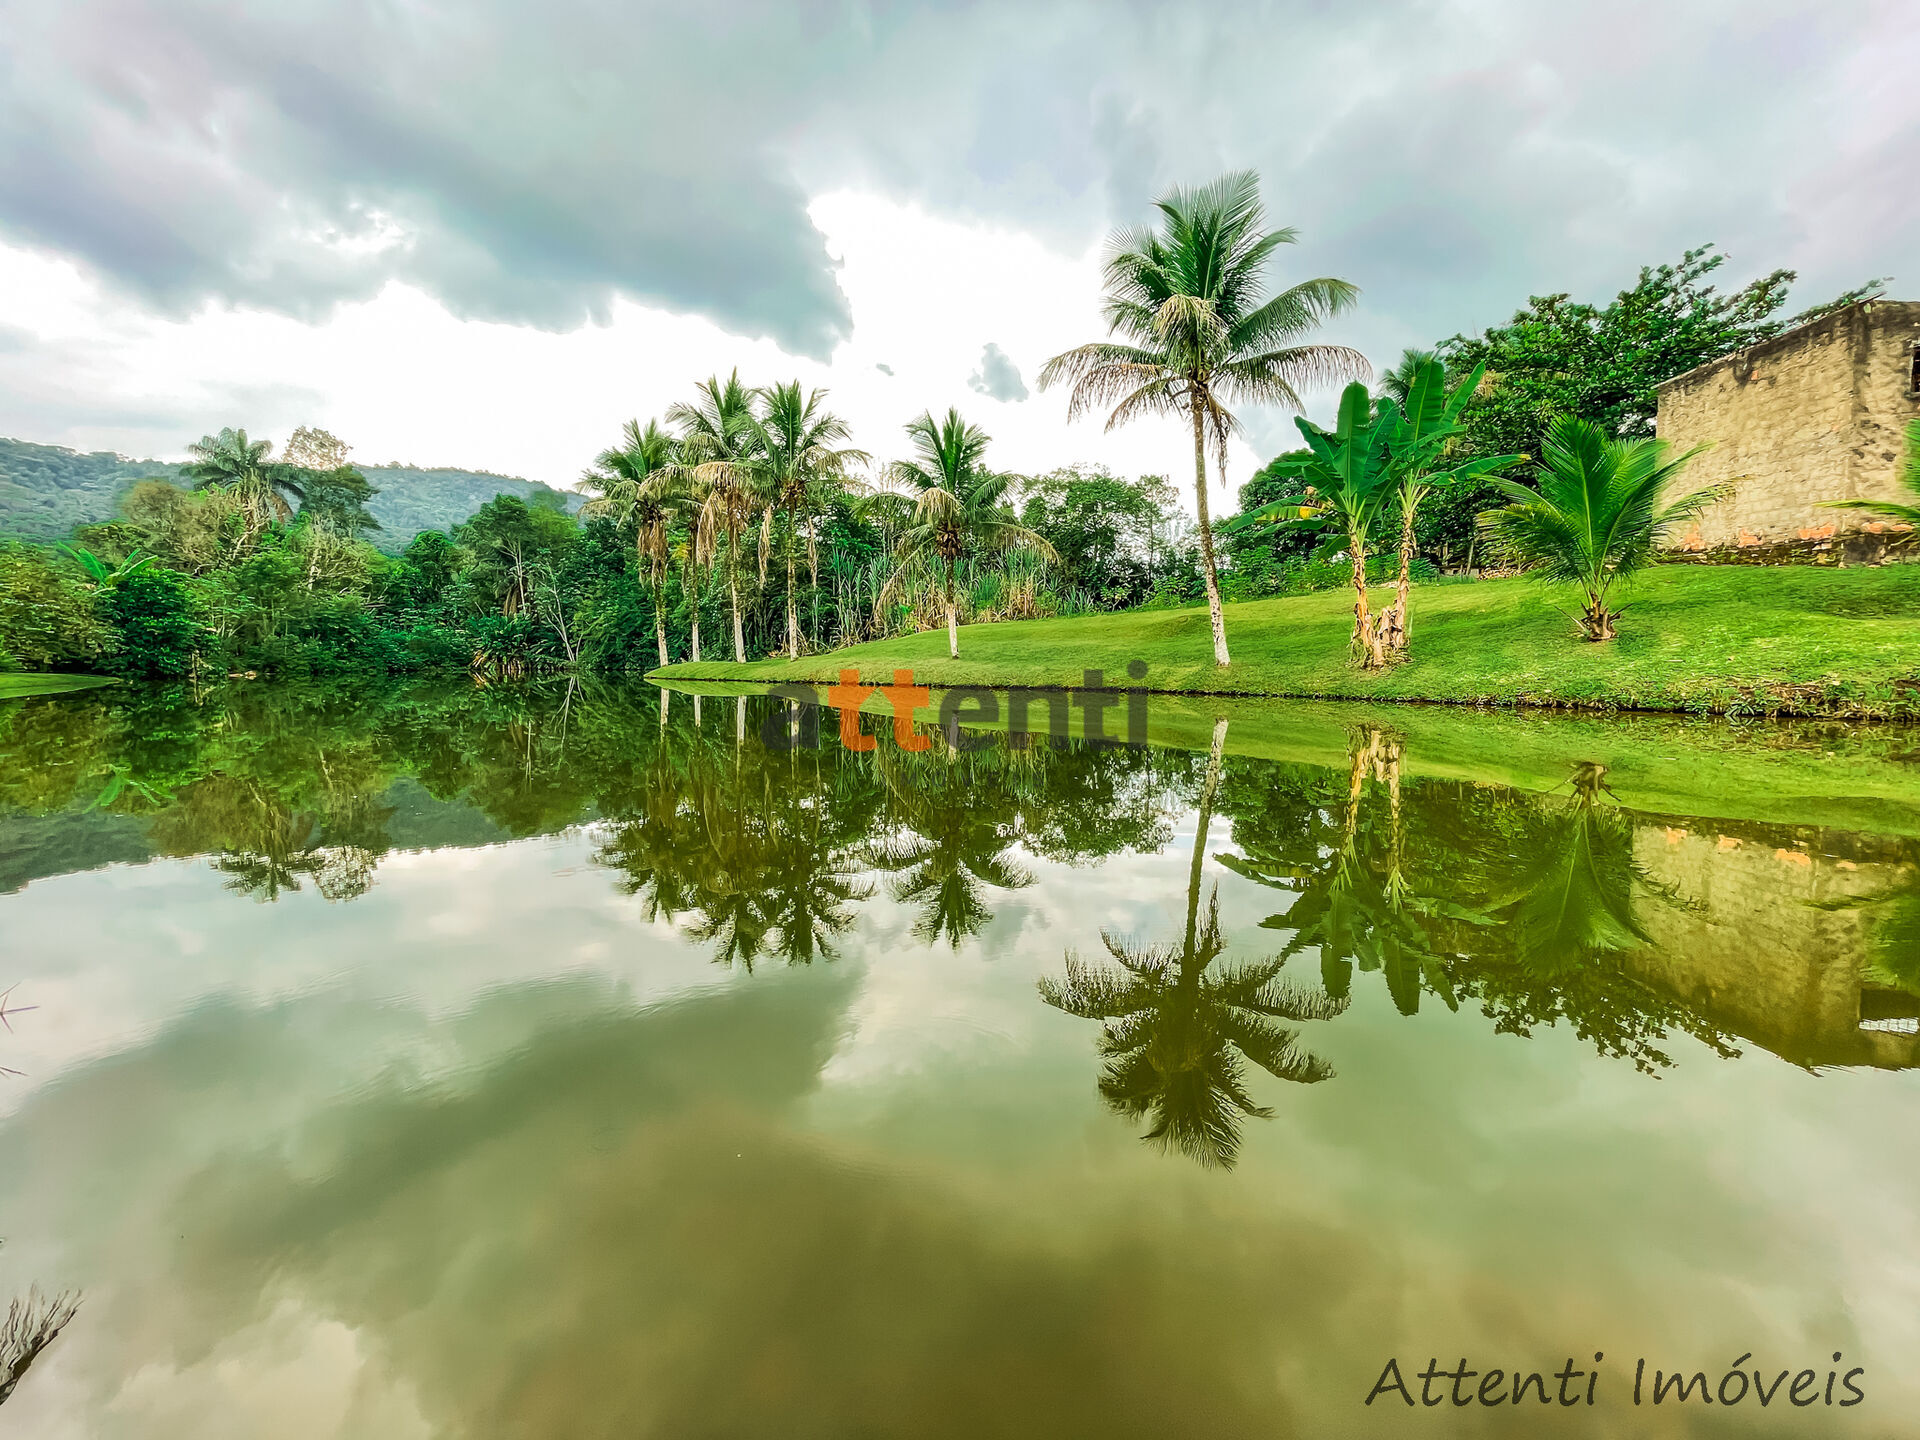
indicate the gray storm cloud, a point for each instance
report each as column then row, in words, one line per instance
column 532, row 163
column 998, row 377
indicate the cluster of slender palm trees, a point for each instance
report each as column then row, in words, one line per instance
column 740, row 460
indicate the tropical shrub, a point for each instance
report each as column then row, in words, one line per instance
column 152, row 615
column 1599, row 515
column 47, row 618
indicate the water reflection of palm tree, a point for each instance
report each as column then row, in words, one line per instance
column 1175, row 1030
column 959, row 836
column 1566, row 897
column 1360, row 900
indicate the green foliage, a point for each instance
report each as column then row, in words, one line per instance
column 47, row 490
column 152, row 615
column 47, row 615
column 339, row 498
column 1597, row 516
column 961, row 510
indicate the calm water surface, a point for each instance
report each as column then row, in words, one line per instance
column 456, row 1063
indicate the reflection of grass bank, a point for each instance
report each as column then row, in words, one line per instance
column 1738, row 639
column 1782, row 772
column 13, row 687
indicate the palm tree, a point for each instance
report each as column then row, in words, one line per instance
column 31, row 1324
column 232, row 462
column 1598, row 516
column 1175, row 1029
column 1909, row 477
column 795, row 438
column 717, row 431
column 632, row 479
column 1197, row 335
column 961, row 509
column 1397, row 382
column 1430, row 413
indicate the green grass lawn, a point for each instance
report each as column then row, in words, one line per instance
column 1723, row 639
column 13, row 687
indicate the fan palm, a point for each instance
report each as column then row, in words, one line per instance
column 796, row 439
column 717, row 432
column 631, row 479
column 234, row 463
column 1196, row 334
column 1598, row 516
column 960, row 510
column 1909, row 477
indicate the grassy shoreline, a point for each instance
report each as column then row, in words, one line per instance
column 1728, row 640
column 17, row 686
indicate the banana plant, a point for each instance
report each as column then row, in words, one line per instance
column 1350, row 474
column 1429, row 424
column 99, row 573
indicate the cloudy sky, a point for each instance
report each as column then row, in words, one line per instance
column 485, row 234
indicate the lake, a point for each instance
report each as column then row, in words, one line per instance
column 562, row 1061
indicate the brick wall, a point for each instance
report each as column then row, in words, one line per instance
column 1815, row 414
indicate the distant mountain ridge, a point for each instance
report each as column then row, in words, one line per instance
column 45, row 490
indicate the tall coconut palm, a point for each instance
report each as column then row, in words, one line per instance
column 802, row 460
column 1599, row 514
column 1196, row 334
column 960, row 509
column 631, row 479
column 234, row 463
column 717, row 431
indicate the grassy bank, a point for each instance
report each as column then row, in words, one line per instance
column 1813, row 774
column 1794, row 640
column 13, row 686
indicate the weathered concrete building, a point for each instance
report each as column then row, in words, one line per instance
column 1818, row 413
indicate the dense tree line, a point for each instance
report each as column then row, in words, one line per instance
column 739, row 523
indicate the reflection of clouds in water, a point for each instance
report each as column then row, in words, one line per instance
column 439, row 928
column 642, row 1248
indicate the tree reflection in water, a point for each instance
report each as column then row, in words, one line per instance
column 1532, row 909
column 1175, row 1030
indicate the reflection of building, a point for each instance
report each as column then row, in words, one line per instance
column 1767, row 947
column 1814, row 414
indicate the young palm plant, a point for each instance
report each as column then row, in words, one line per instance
column 717, row 433
column 960, row 510
column 796, row 436
column 1598, row 516
column 632, row 481
column 1195, row 334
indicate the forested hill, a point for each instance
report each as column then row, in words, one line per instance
column 45, row 490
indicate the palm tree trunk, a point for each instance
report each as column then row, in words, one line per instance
column 660, row 623
column 953, row 619
column 1201, row 821
column 1214, row 615
column 733, row 595
column 793, row 615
